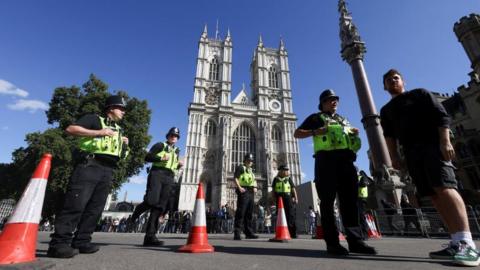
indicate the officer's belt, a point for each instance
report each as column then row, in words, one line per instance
column 92, row 159
column 155, row 168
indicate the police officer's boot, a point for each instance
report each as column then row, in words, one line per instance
column 237, row 236
column 336, row 249
column 251, row 236
column 359, row 246
column 86, row 248
column 61, row 251
column 152, row 241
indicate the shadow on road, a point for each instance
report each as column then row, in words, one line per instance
column 308, row 253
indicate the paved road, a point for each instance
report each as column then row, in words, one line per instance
column 121, row 251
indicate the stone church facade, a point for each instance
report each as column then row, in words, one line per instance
column 221, row 130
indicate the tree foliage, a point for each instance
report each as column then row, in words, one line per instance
column 66, row 106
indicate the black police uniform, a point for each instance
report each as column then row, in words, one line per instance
column 160, row 182
column 335, row 173
column 245, row 206
column 87, row 192
column 288, row 205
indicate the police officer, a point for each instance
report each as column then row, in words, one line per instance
column 335, row 144
column 282, row 186
column 246, row 188
column 165, row 163
column 102, row 144
column 363, row 182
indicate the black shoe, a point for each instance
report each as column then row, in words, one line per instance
column 61, row 251
column 361, row 247
column 251, row 236
column 337, row 250
column 294, row 236
column 87, row 248
column 152, row 242
column 237, row 237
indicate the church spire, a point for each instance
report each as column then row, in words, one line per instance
column 282, row 44
column 205, row 31
column 260, row 41
column 228, row 37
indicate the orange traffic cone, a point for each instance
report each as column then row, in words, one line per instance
column 372, row 227
column 18, row 240
column 198, row 239
column 281, row 230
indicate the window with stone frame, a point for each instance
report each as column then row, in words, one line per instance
column 273, row 77
column 276, row 139
column 214, row 74
column 243, row 142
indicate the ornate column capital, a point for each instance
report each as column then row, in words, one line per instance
column 351, row 43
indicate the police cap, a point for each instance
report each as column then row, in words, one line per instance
column 173, row 131
column 115, row 100
column 328, row 93
column 248, row 157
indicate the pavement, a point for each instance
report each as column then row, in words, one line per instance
column 121, row 251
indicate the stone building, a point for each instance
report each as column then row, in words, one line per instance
column 222, row 129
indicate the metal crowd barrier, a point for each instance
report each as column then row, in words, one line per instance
column 426, row 222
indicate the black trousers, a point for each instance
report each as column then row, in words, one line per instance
column 336, row 174
column 289, row 214
column 244, row 213
column 85, row 199
column 159, row 184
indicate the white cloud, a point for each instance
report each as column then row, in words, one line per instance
column 138, row 179
column 304, row 175
column 7, row 88
column 30, row 105
column 5, row 128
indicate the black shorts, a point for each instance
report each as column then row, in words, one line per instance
column 428, row 169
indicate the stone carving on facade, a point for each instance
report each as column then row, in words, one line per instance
column 275, row 94
column 272, row 60
column 213, row 52
column 212, row 96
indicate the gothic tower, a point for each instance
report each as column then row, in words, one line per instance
column 221, row 130
column 272, row 95
column 212, row 90
column 468, row 33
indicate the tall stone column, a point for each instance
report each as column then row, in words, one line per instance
column 353, row 51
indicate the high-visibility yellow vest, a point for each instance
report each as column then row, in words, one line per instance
column 362, row 191
column 283, row 185
column 106, row 145
column 172, row 162
column 247, row 178
column 339, row 136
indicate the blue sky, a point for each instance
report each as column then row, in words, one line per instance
column 149, row 48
